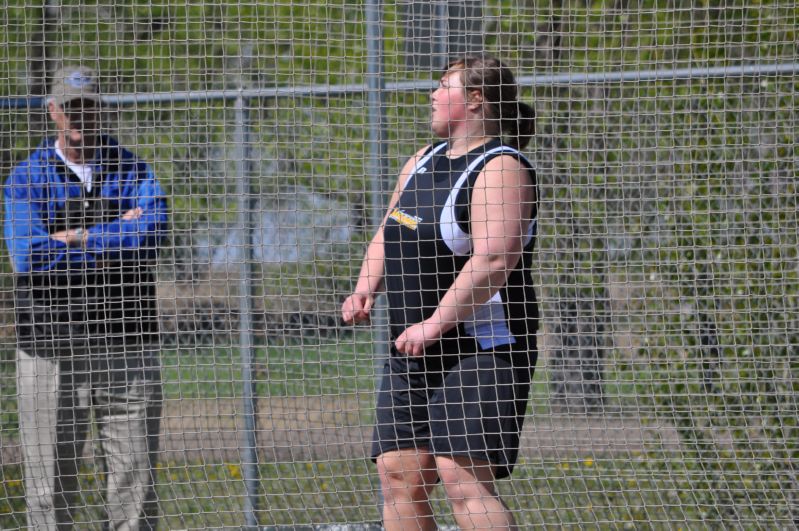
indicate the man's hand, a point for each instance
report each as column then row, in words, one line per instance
column 133, row 213
column 79, row 236
column 356, row 308
column 71, row 236
column 416, row 338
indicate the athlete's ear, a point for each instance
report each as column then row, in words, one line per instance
column 475, row 99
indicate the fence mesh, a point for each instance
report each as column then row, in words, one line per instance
column 666, row 261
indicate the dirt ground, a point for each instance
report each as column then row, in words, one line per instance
column 336, row 427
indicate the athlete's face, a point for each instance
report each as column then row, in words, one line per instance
column 449, row 105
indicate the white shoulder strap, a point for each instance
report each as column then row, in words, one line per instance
column 424, row 160
column 479, row 160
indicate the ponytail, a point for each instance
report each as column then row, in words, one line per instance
column 517, row 123
column 514, row 119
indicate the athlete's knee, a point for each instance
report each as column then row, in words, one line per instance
column 464, row 478
column 407, row 475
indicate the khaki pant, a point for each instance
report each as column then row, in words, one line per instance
column 57, row 398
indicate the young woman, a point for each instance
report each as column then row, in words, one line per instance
column 453, row 255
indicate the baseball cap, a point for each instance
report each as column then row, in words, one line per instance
column 74, row 82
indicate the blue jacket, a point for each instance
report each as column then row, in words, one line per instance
column 71, row 297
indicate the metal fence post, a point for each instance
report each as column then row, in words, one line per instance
column 249, row 451
column 377, row 169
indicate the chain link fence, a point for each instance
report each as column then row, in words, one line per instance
column 666, row 155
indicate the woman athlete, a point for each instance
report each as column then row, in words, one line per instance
column 453, row 255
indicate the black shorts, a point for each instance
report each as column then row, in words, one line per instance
column 468, row 405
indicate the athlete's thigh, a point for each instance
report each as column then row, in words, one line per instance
column 476, row 412
column 401, row 416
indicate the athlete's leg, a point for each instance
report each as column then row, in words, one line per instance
column 475, row 425
column 407, row 476
column 469, row 484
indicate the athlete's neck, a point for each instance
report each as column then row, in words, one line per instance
column 461, row 146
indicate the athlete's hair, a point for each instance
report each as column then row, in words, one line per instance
column 501, row 104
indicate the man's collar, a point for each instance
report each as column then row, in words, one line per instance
column 104, row 154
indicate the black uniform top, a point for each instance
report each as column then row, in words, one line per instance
column 427, row 244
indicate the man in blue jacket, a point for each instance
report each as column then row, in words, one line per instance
column 83, row 221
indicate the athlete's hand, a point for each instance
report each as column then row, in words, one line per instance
column 356, row 308
column 416, row 338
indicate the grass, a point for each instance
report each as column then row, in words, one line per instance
column 550, row 494
column 623, row 491
column 277, row 371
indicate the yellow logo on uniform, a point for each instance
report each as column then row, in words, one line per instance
column 404, row 219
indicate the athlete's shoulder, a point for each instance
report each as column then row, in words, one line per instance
column 504, row 150
column 506, row 165
column 418, row 159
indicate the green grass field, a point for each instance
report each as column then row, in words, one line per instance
column 627, row 490
column 277, row 371
column 619, row 494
